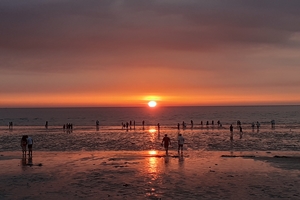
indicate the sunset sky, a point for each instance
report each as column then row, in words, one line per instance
column 124, row 53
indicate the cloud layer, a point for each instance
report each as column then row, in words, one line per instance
column 212, row 44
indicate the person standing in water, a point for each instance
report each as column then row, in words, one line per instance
column 24, row 144
column 241, row 132
column 231, row 132
column 29, row 143
column 180, row 143
column 166, row 142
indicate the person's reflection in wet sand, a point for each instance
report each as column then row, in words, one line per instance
column 30, row 163
column 167, row 159
column 231, row 147
column 158, row 135
column 180, row 160
column 24, row 162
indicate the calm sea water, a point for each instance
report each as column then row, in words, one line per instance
column 166, row 116
column 110, row 135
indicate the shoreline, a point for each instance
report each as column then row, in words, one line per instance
column 150, row 175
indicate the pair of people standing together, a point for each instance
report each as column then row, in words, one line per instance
column 24, row 142
column 166, row 142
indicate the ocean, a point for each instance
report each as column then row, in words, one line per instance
column 111, row 135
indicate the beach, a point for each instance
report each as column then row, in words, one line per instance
column 112, row 162
column 150, row 175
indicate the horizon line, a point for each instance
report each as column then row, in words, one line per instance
column 252, row 105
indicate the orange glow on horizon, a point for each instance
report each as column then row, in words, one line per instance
column 96, row 100
column 162, row 58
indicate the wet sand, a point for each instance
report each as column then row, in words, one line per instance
column 150, row 175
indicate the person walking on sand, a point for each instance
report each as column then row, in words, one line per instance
column 24, row 144
column 180, row 143
column 166, row 142
column 29, row 143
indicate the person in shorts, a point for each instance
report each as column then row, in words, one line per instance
column 29, row 143
column 24, row 144
column 166, row 142
column 180, row 143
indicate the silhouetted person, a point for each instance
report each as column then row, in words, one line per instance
column 24, row 144
column 231, row 132
column 273, row 123
column 166, row 142
column 253, row 125
column 10, row 125
column 241, row 132
column 183, row 125
column 257, row 125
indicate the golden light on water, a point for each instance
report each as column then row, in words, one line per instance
column 152, row 152
column 152, row 130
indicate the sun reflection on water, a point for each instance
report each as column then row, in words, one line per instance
column 152, row 152
column 153, row 174
column 152, row 164
column 152, row 169
column 152, row 133
column 152, row 130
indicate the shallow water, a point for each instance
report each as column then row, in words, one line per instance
column 109, row 162
column 166, row 116
column 112, row 138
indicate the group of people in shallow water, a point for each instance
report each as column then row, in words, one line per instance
column 26, row 141
column 166, row 143
column 128, row 125
column 239, row 124
column 184, row 124
column 68, row 126
column 231, row 131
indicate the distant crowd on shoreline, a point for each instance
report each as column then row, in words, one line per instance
column 132, row 125
column 166, row 142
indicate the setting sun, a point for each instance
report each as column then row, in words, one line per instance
column 151, row 103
